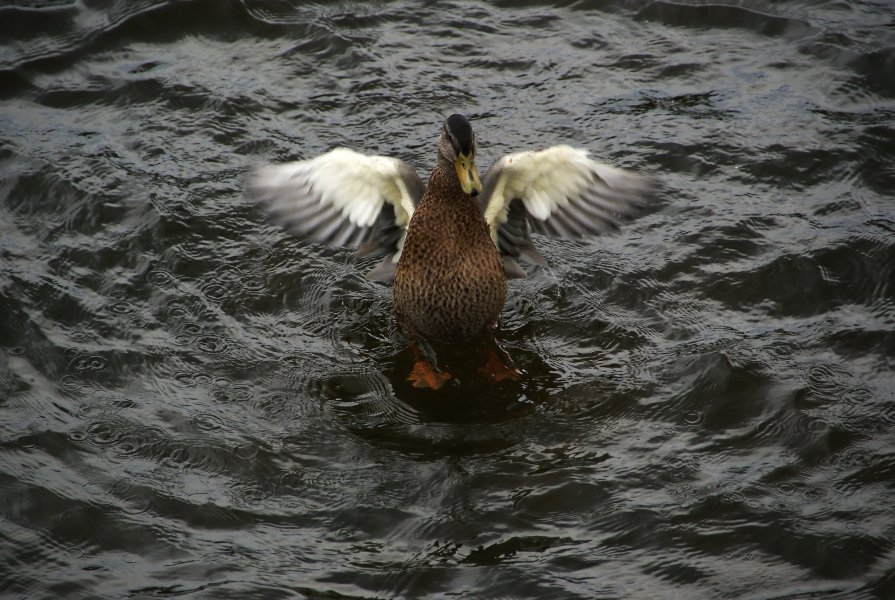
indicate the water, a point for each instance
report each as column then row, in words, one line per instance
column 194, row 404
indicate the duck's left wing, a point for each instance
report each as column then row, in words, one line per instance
column 343, row 198
column 561, row 192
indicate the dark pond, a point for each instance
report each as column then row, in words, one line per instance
column 195, row 404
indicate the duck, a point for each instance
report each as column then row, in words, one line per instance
column 450, row 245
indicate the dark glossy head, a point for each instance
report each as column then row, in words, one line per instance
column 457, row 146
column 460, row 134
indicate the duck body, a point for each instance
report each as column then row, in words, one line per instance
column 449, row 284
column 450, row 245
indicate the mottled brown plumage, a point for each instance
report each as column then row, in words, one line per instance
column 449, row 283
column 450, row 246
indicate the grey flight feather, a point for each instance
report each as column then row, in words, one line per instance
column 343, row 198
column 560, row 192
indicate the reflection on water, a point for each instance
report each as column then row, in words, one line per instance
column 194, row 403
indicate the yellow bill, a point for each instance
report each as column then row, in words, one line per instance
column 468, row 175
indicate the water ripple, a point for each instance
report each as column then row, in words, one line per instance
column 191, row 395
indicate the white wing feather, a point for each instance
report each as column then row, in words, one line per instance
column 565, row 192
column 337, row 196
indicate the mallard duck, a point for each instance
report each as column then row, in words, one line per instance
column 451, row 244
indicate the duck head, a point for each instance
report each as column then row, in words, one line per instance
column 457, row 147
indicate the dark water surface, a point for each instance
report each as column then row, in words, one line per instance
column 194, row 404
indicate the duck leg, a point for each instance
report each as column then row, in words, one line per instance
column 424, row 375
column 498, row 365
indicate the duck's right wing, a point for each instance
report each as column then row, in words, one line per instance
column 561, row 192
column 343, row 198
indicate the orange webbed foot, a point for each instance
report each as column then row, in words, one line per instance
column 424, row 376
column 498, row 366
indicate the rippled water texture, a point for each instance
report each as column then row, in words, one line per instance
column 192, row 403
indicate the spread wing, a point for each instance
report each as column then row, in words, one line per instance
column 343, row 198
column 561, row 192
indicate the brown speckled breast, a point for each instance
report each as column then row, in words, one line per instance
column 449, row 283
